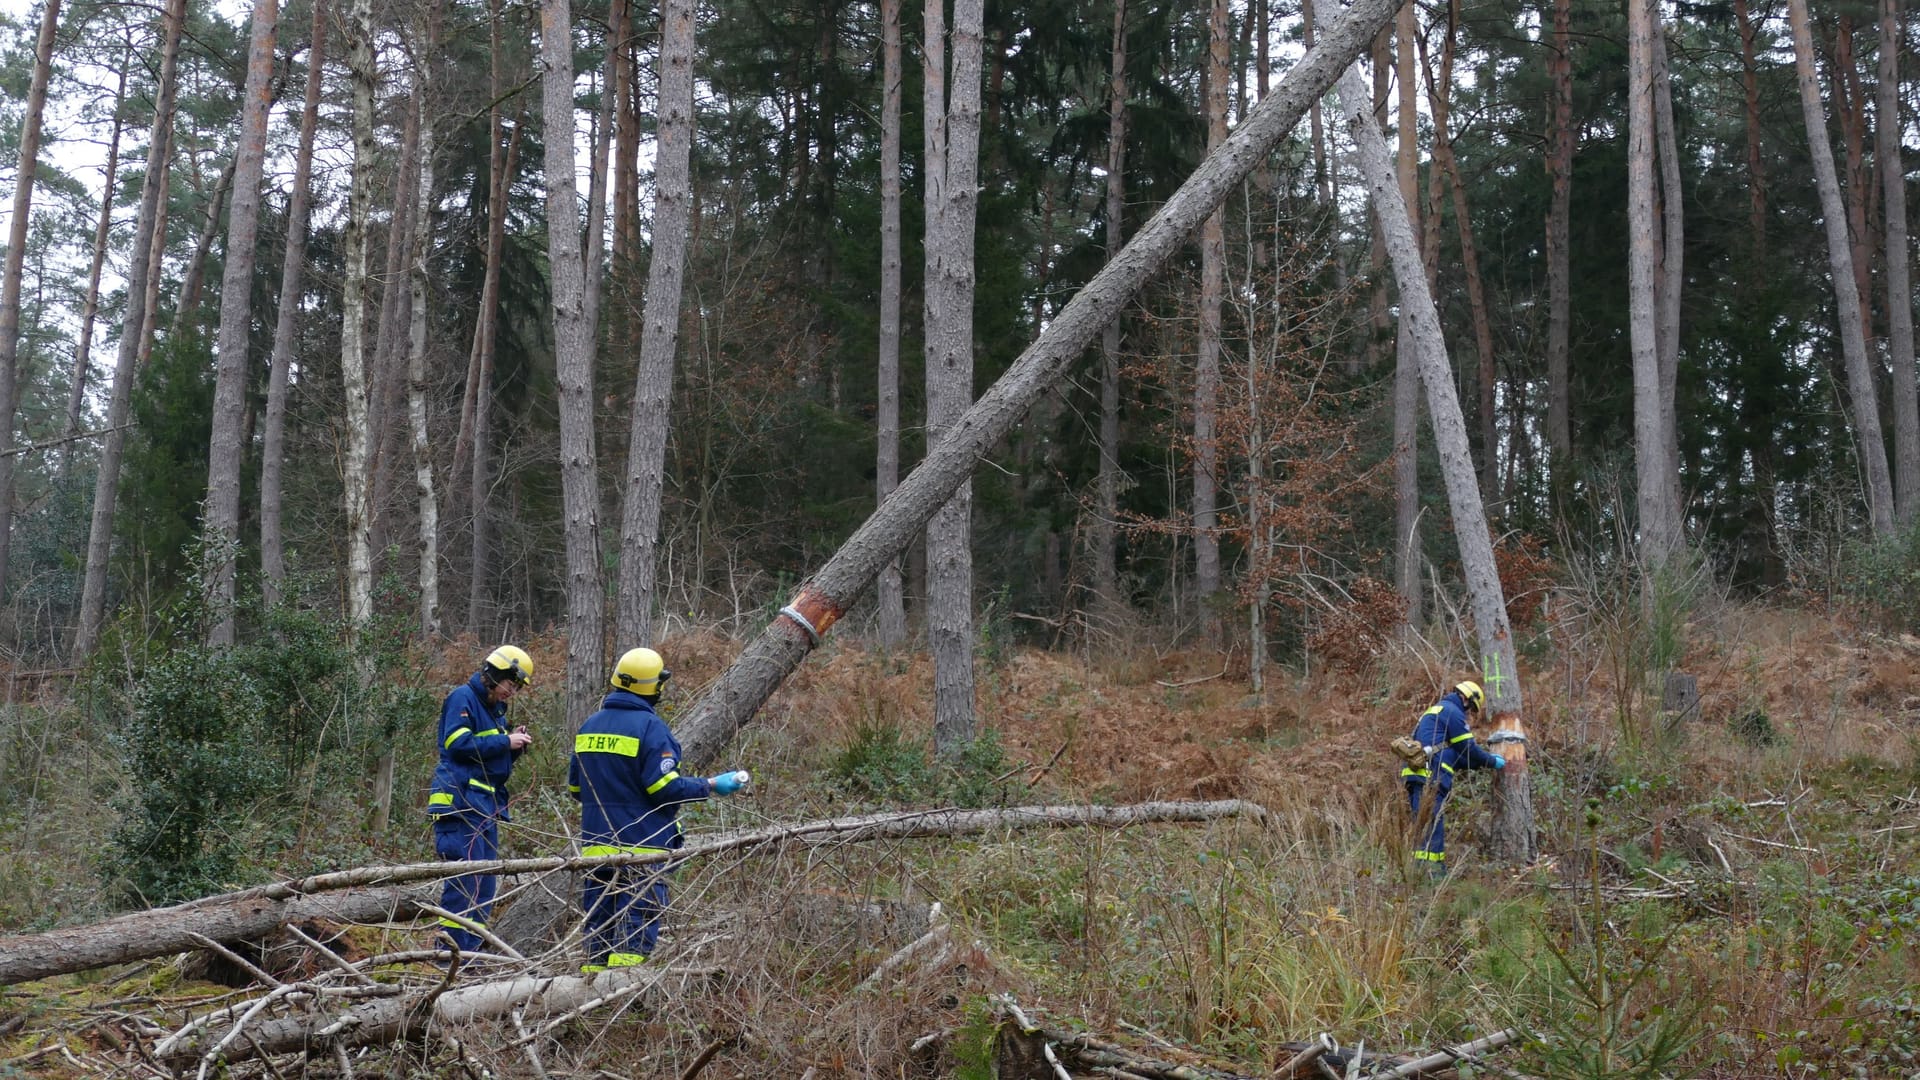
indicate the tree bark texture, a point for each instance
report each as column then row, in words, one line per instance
column 422, row 237
column 1105, row 531
column 273, row 451
column 386, row 386
column 892, row 605
column 1853, row 344
column 10, row 274
column 1408, row 551
column 221, row 525
column 353, row 317
column 1671, row 279
column 83, row 352
column 1559, row 219
column 952, row 94
column 573, row 359
column 1660, row 535
column 1893, row 180
column 1206, row 368
column 1486, row 599
column 93, row 589
column 713, row 720
column 660, row 329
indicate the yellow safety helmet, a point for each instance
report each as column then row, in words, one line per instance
column 1470, row 693
column 641, row 671
column 511, row 662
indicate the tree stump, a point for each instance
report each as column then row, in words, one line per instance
column 1680, row 699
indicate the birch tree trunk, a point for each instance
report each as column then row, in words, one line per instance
column 573, row 359
column 1206, row 368
column 15, row 262
column 1106, row 553
column 221, row 527
column 353, row 316
column 83, row 352
column 273, row 450
column 1671, row 278
column 1660, row 536
column 1406, row 373
column 892, row 613
column 660, row 329
column 1893, row 180
column 422, row 231
column 1559, row 218
column 731, row 702
column 1511, row 838
column 386, row 386
column 952, row 119
column 1860, row 385
column 106, row 484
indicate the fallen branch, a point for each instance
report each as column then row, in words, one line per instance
column 1451, row 1054
column 257, row 911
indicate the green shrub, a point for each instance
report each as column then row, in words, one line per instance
column 1881, row 578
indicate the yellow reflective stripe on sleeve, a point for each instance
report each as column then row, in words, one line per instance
column 626, row 959
column 1410, row 771
column 592, row 969
column 663, row 782
column 484, row 734
column 1447, row 767
column 440, row 798
column 457, row 732
column 1462, row 737
column 595, row 850
column 573, row 789
column 624, row 745
column 1432, row 712
column 488, row 788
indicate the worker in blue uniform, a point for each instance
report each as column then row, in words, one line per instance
column 469, row 798
column 626, row 773
column 1443, row 730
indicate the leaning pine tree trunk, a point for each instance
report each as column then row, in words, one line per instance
column 660, row 330
column 1893, row 179
column 573, row 359
column 224, row 453
column 133, row 323
column 90, row 310
column 15, row 262
column 273, row 452
column 731, row 702
column 1853, row 341
column 1511, row 837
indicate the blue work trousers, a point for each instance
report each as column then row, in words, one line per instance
column 623, row 906
column 1432, row 847
column 461, row 838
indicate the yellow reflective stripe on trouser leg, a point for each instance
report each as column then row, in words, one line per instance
column 456, row 924
column 440, row 798
column 663, row 782
column 1430, row 856
column 457, row 732
column 488, row 788
column 594, row 850
column 626, row 959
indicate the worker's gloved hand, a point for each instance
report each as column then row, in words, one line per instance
column 1499, row 762
column 728, row 782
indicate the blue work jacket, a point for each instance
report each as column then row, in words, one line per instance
column 476, row 755
column 1445, row 726
column 625, row 772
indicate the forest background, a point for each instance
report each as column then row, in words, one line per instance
column 813, row 233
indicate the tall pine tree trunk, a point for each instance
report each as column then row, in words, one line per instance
column 1660, row 536
column 892, row 613
column 353, row 317
column 1853, row 344
column 1206, row 374
column 1670, row 277
column 573, row 360
column 1893, row 180
column 1511, row 838
column 1406, row 370
column 660, row 331
column 225, row 452
column 133, row 321
column 273, row 449
column 952, row 121
column 90, row 309
column 15, row 261
column 186, row 312
column 386, row 390
column 1106, row 554
column 1559, row 219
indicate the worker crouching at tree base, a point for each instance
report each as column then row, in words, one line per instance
column 469, row 797
column 625, row 772
column 1450, row 747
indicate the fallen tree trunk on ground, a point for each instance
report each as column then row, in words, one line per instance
column 253, row 912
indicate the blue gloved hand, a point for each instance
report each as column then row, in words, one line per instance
column 728, row 782
column 1499, row 762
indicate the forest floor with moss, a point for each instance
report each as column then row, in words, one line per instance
column 1735, row 894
